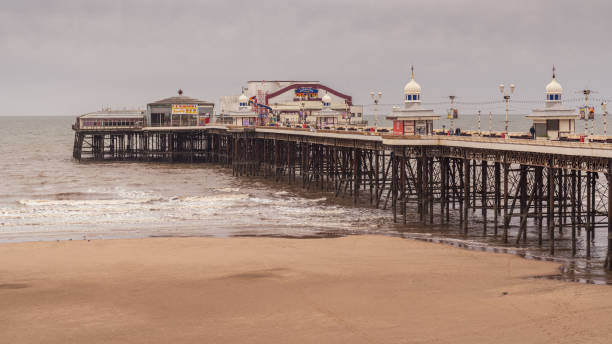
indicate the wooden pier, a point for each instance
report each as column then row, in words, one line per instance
column 552, row 188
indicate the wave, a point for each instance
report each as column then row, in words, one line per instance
column 128, row 201
column 83, row 202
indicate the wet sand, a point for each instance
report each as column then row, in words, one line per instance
column 362, row 289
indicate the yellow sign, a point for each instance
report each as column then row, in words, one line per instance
column 181, row 109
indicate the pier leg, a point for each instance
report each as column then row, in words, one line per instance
column 505, row 220
column 573, row 211
column 458, row 190
column 447, row 189
column 588, row 215
column 443, row 188
column 466, row 193
column 551, row 207
column 430, row 188
column 523, row 203
column 608, row 261
column 425, row 188
column 356, row 175
column 497, row 197
column 483, row 193
column 403, row 182
column 394, row 183
column 540, row 217
column 420, row 196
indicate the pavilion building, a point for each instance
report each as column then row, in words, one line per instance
column 412, row 119
column 553, row 121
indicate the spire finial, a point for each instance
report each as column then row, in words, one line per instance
column 554, row 70
column 412, row 71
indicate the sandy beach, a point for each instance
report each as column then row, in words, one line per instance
column 362, row 289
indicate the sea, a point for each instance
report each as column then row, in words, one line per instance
column 45, row 195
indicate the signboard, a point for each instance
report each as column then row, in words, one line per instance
column 306, row 92
column 398, row 127
column 184, row 109
column 408, row 127
column 420, row 127
column 583, row 112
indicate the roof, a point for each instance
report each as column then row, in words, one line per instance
column 412, row 111
column 181, row 100
column 114, row 114
column 554, row 87
column 555, row 110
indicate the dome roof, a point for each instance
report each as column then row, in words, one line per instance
column 326, row 98
column 412, row 87
column 554, row 87
column 243, row 99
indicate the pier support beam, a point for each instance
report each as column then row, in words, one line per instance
column 608, row 261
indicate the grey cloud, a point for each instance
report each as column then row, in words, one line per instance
column 69, row 57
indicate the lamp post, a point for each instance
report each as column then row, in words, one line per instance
column 586, row 93
column 507, row 93
column 604, row 107
column 479, row 132
column 451, row 114
column 348, row 114
column 376, row 98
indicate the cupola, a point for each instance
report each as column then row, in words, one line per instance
column 412, row 90
column 553, row 89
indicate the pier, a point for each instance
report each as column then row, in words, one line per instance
column 545, row 190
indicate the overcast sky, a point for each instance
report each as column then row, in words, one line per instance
column 71, row 57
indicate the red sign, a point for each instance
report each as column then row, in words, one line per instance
column 398, row 127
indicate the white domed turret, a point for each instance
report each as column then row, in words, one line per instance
column 553, row 89
column 412, row 90
column 326, row 100
column 243, row 101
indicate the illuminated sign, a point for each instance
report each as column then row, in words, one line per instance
column 306, row 92
column 182, row 109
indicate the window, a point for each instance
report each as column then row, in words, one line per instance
column 409, row 97
column 556, row 97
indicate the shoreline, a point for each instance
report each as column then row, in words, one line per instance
column 569, row 270
column 355, row 288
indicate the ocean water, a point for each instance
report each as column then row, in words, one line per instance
column 45, row 195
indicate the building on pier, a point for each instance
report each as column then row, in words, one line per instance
column 412, row 119
column 553, row 121
column 244, row 115
column 327, row 117
column 179, row 111
column 292, row 101
column 111, row 119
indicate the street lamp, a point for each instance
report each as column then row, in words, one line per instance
column 604, row 107
column 506, row 93
column 376, row 98
column 451, row 113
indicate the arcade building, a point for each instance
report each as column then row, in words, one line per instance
column 412, row 119
column 290, row 102
column 179, row 110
